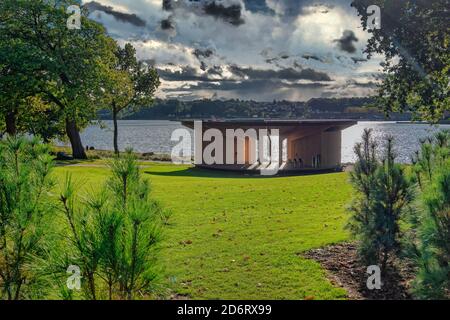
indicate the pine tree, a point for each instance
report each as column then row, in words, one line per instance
column 431, row 231
column 382, row 194
column 115, row 233
column 25, row 210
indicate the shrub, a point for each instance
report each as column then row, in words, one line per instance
column 431, row 231
column 115, row 233
column 25, row 210
column 382, row 194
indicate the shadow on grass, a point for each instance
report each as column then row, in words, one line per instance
column 64, row 163
column 214, row 173
column 198, row 173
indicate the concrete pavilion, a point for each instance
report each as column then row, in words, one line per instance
column 304, row 145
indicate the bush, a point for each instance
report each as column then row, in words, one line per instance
column 431, row 231
column 382, row 195
column 25, row 211
column 115, row 234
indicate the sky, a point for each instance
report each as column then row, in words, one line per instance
column 260, row 50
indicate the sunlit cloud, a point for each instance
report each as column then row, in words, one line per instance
column 204, row 42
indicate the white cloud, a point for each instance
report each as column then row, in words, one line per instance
column 295, row 34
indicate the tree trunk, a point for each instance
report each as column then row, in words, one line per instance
column 385, row 259
column 116, row 130
column 75, row 140
column 10, row 120
column 91, row 281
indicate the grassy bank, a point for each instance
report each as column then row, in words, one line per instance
column 235, row 237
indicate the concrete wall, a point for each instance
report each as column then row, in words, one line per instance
column 326, row 144
column 331, row 148
column 306, row 148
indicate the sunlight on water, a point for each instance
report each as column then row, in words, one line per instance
column 407, row 137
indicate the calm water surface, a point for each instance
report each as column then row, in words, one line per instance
column 150, row 135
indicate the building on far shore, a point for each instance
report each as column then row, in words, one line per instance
column 304, row 145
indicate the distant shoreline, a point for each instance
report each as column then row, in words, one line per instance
column 442, row 122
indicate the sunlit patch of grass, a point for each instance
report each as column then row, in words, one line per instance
column 233, row 237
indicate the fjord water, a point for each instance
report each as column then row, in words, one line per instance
column 154, row 136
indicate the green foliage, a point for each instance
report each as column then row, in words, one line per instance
column 132, row 86
column 431, row 236
column 25, row 211
column 414, row 38
column 65, row 68
column 115, row 234
column 20, row 70
column 54, row 78
column 39, row 118
column 140, row 232
column 383, row 194
column 144, row 78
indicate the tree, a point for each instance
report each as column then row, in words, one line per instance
column 383, row 193
column 139, row 232
column 40, row 118
column 133, row 86
column 23, row 108
column 73, row 63
column 414, row 38
column 431, row 238
column 20, row 67
column 363, row 179
column 114, row 235
column 25, row 211
column 119, row 92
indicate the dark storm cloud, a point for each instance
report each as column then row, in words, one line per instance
column 215, row 71
column 188, row 73
column 120, row 16
column 203, row 53
column 357, row 60
column 257, row 6
column 230, row 12
column 251, row 87
column 254, row 85
column 355, row 83
column 285, row 74
column 312, row 56
column 150, row 62
column 167, row 24
column 351, row 88
column 346, row 42
column 259, row 90
column 167, row 5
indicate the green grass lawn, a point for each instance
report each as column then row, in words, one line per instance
column 237, row 237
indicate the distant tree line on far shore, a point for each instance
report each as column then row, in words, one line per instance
column 317, row 108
